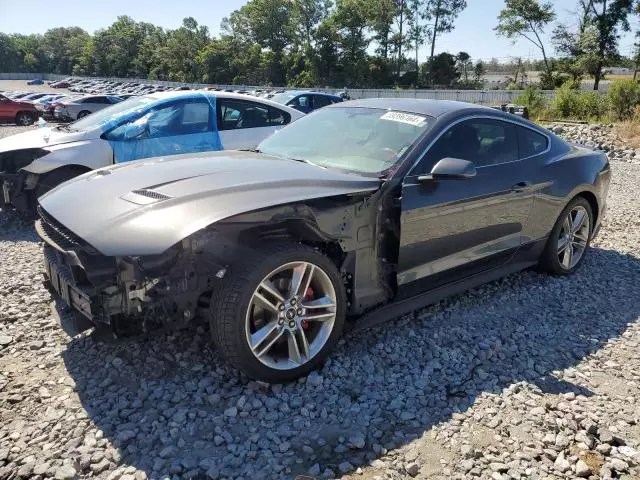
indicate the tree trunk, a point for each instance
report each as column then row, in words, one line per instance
column 417, row 64
column 400, row 40
column 435, row 30
column 597, row 77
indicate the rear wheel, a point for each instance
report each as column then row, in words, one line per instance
column 83, row 113
column 279, row 313
column 569, row 240
column 24, row 119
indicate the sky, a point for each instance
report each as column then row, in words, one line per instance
column 473, row 33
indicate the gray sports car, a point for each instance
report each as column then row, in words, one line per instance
column 356, row 213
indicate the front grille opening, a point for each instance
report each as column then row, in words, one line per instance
column 61, row 235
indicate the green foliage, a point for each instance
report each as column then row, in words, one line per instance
column 624, row 96
column 526, row 19
column 441, row 70
column 533, row 99
column 570, row 102
column 565, row 102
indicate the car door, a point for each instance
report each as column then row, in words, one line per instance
column 451, row 229
column 243, row 123
column 176, row 127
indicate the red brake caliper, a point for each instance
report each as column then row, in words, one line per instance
column 308, row 295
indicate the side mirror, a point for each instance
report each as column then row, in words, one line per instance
column 134, row 130
column 450, row 169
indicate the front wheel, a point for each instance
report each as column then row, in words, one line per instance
column 279, row 313
column 569, row 238
column 83, row 114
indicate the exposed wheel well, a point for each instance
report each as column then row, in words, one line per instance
column 593, row 202
column 294, row 231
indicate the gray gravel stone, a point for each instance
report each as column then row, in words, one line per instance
column 506, row 381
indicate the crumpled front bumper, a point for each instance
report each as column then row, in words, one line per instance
column 16, row 190
column 12, row 193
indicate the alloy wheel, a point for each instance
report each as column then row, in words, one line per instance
column 23, row 120
column 573, row 237
column 291, row 315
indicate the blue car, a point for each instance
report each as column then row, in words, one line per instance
column 35, row 81
column 305, row 101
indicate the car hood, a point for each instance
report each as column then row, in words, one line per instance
column 182, row 194
column 43, row 138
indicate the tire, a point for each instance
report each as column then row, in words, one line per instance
column 565, row 238
column 82, row 114
column 235, row 314
column 24, row 119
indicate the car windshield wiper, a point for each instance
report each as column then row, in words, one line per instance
column 302, row 160
column 254, row 150
column 66, row 127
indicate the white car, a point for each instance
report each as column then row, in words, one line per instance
column 77, row 107
column 154, row 125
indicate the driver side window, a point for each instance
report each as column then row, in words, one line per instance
column 484, row 142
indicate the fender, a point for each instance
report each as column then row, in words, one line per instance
column 92, row 154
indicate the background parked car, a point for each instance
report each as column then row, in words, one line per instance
column 35, row 81
column 159, row 124
column 33, row 96
column 74, row 109
column 23, row 113
column 306, row 101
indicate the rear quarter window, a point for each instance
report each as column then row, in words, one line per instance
column 530, row 143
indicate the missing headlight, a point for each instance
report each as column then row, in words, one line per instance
column 11, row 162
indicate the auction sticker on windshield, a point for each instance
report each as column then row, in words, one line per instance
column 415, row 120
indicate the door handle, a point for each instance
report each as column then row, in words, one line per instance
column 521, row 187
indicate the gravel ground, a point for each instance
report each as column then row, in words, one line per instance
column 528, row 377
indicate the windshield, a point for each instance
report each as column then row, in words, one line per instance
column 111, row 113
column 283, row 98
column 362, row 140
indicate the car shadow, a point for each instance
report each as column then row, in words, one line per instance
column 172, row 406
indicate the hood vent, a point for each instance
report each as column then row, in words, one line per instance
column 144, row 196
column 152, row 194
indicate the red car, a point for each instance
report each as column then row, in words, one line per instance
column 23, row 113
column 60, row 84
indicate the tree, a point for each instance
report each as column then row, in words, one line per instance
column 607, row 16
column 417, row 31
column 308, row 14
column 63, row 48
column 463, row 60
column 269, row 24
column 441, row 15
column 381, row 19
column 351, row 19
column 527, row 19
column 441, row 70
column 478, row 72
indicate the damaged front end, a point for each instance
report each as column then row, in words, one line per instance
column 128, row 294
column 16, row 185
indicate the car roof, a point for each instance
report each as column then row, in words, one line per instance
column 215, row 94
column 433, row 108
column 308, row 92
